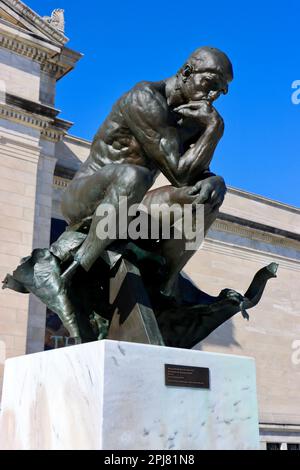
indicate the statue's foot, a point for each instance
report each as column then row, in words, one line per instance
column 40, row 274
column 9, row 282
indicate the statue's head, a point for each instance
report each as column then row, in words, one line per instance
column 205, row 75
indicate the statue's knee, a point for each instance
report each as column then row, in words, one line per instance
column 136, row 180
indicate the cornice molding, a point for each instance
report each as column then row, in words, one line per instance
column 60, row 183
column 52, row 65
column 20, row 47
column 249, row 254
column 31, row 106
column 50, row 129
column 23, row 117
column 52, row 133
column 268, row 229
column 54, row 60
column 279, row 428
column 54, row 69
column 263, row 200
column 78, row 140
column 257, row 234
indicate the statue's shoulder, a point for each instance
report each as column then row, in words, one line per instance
column 143, row 94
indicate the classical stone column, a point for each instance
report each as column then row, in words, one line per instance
column 41, row 239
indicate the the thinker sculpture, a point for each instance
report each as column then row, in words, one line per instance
column 170, row 127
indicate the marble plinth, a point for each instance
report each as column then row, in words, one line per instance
column 112, row 395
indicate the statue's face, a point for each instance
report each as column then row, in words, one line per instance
column 206, row 86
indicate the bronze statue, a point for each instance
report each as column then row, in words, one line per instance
column 171, row 127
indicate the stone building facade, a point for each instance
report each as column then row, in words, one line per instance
column 38, row 157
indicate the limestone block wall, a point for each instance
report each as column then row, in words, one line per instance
column 20, row 74
column 19, row 154
column 71, row 151
column 272, row 330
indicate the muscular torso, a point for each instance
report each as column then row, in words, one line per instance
column 116, row 141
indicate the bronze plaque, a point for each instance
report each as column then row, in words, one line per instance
column 186, row 376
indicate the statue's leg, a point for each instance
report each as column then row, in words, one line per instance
column 175, row 251
column 105, row 187
column 40, row 275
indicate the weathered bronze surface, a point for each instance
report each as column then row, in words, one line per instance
column 133, row 318
column 171, row 127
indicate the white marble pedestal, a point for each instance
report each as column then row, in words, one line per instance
column 112, row 395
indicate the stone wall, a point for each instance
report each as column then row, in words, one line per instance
column 19, row 155
column 32, row 58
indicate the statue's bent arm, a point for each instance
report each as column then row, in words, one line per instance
column 148, row 117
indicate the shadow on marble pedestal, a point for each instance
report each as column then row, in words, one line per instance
column 112, row 395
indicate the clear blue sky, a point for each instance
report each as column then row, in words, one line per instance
column 126, row 41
